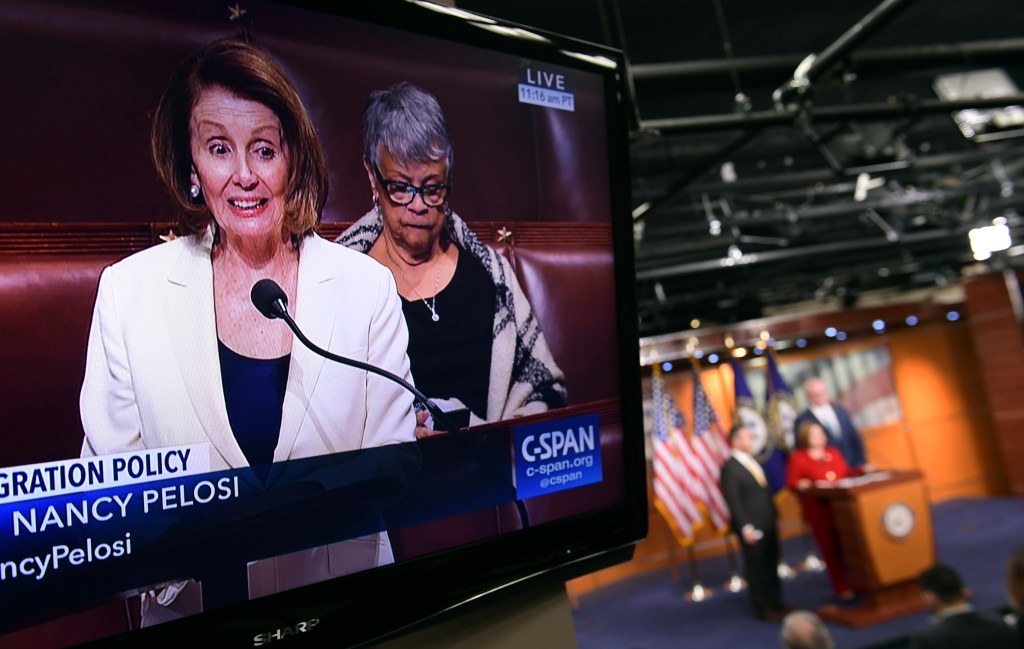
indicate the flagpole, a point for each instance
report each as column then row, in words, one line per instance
column 735, row 583
column 673, row 562
column 698, row 593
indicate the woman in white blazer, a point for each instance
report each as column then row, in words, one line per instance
column 178, row 354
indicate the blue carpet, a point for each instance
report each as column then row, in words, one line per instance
column 648, row 611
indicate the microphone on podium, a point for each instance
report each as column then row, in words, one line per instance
column 270, row 299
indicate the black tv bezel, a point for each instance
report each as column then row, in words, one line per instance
column 371, row 606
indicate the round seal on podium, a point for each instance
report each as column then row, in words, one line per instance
column 898, row 520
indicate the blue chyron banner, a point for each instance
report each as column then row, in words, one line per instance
column 72, row 549
column 76, row 533
column 557, row 455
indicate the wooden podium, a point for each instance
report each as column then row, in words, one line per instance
column 885, row 529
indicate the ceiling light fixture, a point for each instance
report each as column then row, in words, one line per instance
column 990, row 238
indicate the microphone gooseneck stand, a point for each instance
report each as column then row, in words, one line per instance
column 270, row 299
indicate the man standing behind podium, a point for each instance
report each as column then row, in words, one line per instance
column 836, row 422
column 753, row 515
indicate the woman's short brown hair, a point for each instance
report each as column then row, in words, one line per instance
column 803, row 433
column 250, row 73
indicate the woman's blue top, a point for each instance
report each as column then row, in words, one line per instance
column 254, row 395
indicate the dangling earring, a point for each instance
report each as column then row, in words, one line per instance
column 194, row 191
column 376, row 203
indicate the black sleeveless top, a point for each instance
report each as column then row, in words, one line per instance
column 254, row 395
column 451, row 358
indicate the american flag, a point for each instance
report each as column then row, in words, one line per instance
column 673, row 477
column 711, row 450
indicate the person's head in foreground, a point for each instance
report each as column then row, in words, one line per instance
column 805, row 630
column 942, row 588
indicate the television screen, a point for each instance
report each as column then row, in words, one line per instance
column 437, row 395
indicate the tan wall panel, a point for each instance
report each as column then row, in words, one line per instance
column 890, row 446
column 946, row 418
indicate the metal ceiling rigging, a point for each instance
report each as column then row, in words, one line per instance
column 787, row 154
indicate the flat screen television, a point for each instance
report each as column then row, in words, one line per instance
column 91, row 544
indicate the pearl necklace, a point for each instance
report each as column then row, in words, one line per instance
column 432, row 304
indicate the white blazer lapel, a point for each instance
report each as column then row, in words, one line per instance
column 315, row 311
column 189, row 300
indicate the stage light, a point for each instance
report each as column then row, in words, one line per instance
column 713, row 358
column 990, row 238
column 801, row 343
column 878, row 325
column 831, row 332
column 666, row 367
column 953, row 316
column 911, row 320
column 841, row 335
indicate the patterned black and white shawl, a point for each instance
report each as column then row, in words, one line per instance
column 524, row 378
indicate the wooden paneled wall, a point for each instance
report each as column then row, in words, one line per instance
column 948, row 430
column 998, row 342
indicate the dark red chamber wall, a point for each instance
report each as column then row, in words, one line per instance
column 80, row 84
column 999, row 343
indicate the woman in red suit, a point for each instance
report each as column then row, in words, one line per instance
column 815, row 462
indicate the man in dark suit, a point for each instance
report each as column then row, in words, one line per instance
column 754, row 517
column 836, row 421
column 955, row 623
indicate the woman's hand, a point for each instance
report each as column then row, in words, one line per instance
column 421, row 425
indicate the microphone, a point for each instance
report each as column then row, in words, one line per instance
column 270, row 299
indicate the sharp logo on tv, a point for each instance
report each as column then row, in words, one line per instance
column 545, row 88
column 557, row 455
column 261, row 639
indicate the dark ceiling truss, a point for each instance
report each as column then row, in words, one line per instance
column 876, row 190
column 652, row 78
column 766, row 181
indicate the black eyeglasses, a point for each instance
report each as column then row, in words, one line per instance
column 402, row 193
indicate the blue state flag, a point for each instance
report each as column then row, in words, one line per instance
column 766, row 445
column 781, row 420
column 781, row 406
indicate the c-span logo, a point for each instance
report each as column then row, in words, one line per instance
column 557, row 455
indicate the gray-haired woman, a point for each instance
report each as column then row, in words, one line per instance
column 474, row 343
